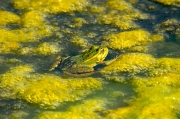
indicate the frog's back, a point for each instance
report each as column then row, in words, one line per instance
column 71, row 62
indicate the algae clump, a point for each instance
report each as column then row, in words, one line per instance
column 119, row 5
column 33, row 29
column 164, row 66
column 79, row 22
column 46, row 90
column 86, row 110
column 156, row 97
column 169, row 2
column 122, row 14
column 144, row 64
column 51, row 6
column 8, row 18
column 96, row 9
column 46, row 48
column 79, row 41
column 130, row 63
column 151, row 102
column 118, row 20
column 9, row 47
column 127, row 39
column 54, row 90
column 13, row 80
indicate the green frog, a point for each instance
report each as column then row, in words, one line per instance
column 83, row 64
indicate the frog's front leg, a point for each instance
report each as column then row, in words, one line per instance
column 109, row 61
column 79, row 71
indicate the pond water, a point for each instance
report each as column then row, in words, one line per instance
column 143, row 82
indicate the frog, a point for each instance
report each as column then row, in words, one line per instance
column 84, row 63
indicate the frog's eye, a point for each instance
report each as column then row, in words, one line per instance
column 91, row 48
column 102, row 50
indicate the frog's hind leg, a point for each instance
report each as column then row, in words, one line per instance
column 80, row 71
column 57, row 62
column 79, row 74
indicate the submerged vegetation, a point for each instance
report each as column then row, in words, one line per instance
column 143, row 82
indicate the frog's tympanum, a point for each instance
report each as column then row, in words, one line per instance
column 84, row 63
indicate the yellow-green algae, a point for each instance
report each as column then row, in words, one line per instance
column 171, row 25
column 121, row 5
column 115, row 94
column 44, row 89
column 88, row 109
column 8, row 18
column 136, row 63
column 78, row 22
column 9, row 47
column 157, row 97
column 127, row 39
column 79, row 41
column 169, row 2
column 131, row 63
column 33, row 19
column 54, row 90
column 96, row 9
column 10, row 61
column 166, row 65
column 51, row 6
column 23, row 85
column 33, row 29
column 140, row 49
column 19, row 114
column 117, row 20
column 123, row 19
column 45, row 48
column 12, row 81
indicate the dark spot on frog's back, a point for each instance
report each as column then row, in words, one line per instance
column 66, row 63
column 70, row 62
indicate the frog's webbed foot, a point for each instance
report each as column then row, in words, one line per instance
column 57, row 62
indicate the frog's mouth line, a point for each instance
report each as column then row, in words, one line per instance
column 104, row 52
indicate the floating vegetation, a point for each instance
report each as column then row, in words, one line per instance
column 143, row 81
column 127, row 39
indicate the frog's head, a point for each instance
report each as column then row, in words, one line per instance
column 95, row 53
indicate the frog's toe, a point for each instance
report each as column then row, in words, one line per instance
column 58, row 61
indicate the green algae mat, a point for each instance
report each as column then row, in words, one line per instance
column 142, row 83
